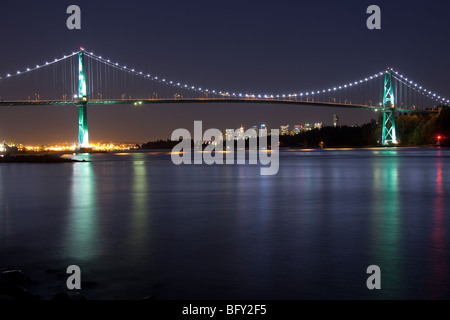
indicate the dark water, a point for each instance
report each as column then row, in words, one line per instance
column 137, row 225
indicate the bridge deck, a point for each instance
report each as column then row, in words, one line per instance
column 207, row 100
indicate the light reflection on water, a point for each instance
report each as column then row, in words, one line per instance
column 439, row 258
column 139, row 225
column 138, row 230
column 386, row 230
column 82, row 225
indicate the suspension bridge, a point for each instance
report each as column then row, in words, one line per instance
column 83, row 78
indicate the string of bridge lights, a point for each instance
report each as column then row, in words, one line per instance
column 149, row 76
column 419, row 88
column 415, row 86
column 38, row 66
column 335, row 88
column 235, row 95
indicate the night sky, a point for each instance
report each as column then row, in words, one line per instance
column 278, row 46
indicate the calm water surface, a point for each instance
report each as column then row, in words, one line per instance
column 137, row 225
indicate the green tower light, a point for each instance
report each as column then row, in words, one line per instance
column 81, row 76
column 83, row 133
column 389, row 135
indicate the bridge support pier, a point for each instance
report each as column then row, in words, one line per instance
column 83, row 133
column 389, row 135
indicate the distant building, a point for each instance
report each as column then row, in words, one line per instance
column 229, row 134
column 318, row 125
column 297, row 129
column 240, row 133
column 335, row 120
column 284, row 130
column 263, row 131
column 255, row 128
column 8, row 148
column 307, row 127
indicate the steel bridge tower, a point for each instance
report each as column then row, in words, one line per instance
column 83, row 133
column 389, row 135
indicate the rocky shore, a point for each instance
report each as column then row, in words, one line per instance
column 34, row 159
column 14, row 285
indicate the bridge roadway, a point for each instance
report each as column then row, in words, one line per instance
column 206, row 100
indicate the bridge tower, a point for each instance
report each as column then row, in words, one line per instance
column 83, row 133
column 389, row 135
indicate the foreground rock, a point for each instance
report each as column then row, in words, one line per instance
column 13, row 285
column 72, row 296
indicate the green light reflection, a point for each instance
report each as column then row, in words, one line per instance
column 140, row 189
column 83, row 241
column 385, row 224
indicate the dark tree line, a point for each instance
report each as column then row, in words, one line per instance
column 419, row 129
column 343, row 136
column 412, row 130
column 159, row 144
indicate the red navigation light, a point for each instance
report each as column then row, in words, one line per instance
column 439, row 137
column 81, row 48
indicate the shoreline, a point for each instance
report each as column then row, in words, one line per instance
column 30, row 158
column 56, row 156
